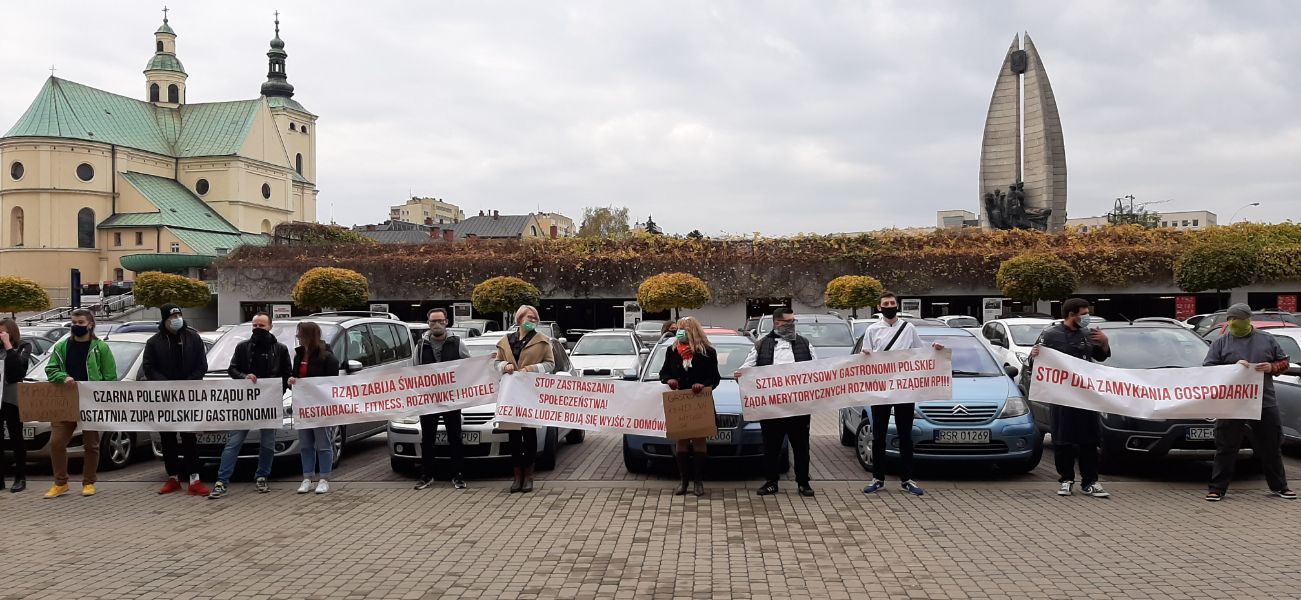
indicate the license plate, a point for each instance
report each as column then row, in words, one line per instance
column 962, row 436
column 467, row 437
column 722, row 437
column 29, row 433
column 1200, row 433
column 212, row 438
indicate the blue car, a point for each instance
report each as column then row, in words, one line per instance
column 988, row 422
column 736, row 439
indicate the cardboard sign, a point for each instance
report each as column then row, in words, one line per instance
column 689, row 415
column 48, row 402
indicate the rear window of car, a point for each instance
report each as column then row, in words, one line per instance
column 1154, row 347
column 222, row 351
column 595, row 345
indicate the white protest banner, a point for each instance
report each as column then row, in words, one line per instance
column 387, row 394
column 1220, row 392
column 180, row 405
column 894, row 377
column 595, row 405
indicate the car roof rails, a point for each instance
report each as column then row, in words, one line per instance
column 356, row 313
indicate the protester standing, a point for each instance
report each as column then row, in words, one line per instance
column 436, row 346
column 1076, row 432
column 782, row 346
column 80, row 357
column 313, row 358
column 177, row 353
column 691, row 362
column 888, row 334
column 668, row 330
column 259, row 357
column 17, row 358
column 524, row 349
column 1259, row 351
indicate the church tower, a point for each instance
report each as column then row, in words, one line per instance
column 297, row 126
column 165, row 75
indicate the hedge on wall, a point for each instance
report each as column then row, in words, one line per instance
column 504, row 295
column 328, row 287
column 672, row 291
column 1215, row 265
column 853, row 292
column 1034, row 277
column 154, row 289
column 19, row 294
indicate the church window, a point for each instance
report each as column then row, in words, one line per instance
column 293, row 127
column 201, row 186
column 298, row 163
column 140, row 238
column 86, row 228
column 303, row 129
column 85, row 172
column 158, row 46
column 266, row 191
column 176, row 248
column 16, row 227
column 119, row 274
column 173, row 93
column 117, row 238
column 153, row 92
column 16, row 170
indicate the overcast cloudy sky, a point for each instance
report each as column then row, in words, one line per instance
column 740, row 116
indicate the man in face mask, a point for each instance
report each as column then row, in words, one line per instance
column 1260, row 352
column 1076, row 433
column 259, row 357
column 434, row 347
column 81, row 357
column 783, row 346
column 176, row 353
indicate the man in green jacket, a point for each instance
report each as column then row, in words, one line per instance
column 81, row 357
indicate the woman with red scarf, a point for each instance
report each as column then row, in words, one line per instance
column 691, row 362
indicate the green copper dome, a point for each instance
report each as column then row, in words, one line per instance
column 165, row 62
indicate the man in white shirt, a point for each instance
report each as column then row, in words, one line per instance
column 892, row 333
column 783, row 346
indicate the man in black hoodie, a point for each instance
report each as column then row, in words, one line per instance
column 259, row 357
column 176, row 353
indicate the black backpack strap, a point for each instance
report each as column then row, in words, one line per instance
column 896, row 336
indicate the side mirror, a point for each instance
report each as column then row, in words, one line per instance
column 562, row 341
column 644, row 351
column 999, row 343
column 630, row 375
column 352, row 366
column 1011, row 371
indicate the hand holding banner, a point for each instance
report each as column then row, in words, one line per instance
column 893, row 377
column 180, row 405
column 594, row 405
column 387, row 394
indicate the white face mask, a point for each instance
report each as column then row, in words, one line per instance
column 176, row 324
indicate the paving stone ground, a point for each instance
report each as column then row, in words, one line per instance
column 592, row 531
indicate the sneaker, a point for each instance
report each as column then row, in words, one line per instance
column 424, row 482
column 196, row 488
column 57, row 490
column 305, row 487
column 768, row 489
column 1285, row 494
column 88, row 489
column 1065, row 489
column 1095, row 490
column 873, row 487
column 322, row 487
column 911, row 487
column 458, row 482
column 262, row 486
column 218, row 490
column 172, row 485
column 1214, row 496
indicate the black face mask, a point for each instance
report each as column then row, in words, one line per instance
column 80, row 330
column 890, row 312
column 261, row 335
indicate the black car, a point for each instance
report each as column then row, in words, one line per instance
column 1146, row 345
column 1209, row 322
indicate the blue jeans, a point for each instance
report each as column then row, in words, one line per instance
column 316, row 447
column 266, row 453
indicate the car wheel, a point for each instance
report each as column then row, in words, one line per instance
column 547, row 459
column 863, row 449
column 340, row 435
column 633, row 463
column 115, row 449
column 575, row 437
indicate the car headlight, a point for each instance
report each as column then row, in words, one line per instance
column 1024, row 357
column 409, row 420
column 1015, row 406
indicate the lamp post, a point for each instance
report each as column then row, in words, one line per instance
column 1235, row 213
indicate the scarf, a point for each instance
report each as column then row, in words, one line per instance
column 684, row 350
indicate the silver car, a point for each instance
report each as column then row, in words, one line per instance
column 609, row 354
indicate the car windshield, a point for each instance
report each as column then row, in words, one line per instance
column 1027, row 335
column 831, row 333
column 970, row 357
column 730, row 357
column 964, row 322
column 650, row 326
column 1153, row 347
column 594, row 345
column 222, row 351
column 860, row 327
column 124, row 354
column 1290, row 347
column 477, row 350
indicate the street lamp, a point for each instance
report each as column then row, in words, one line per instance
column 1235, row 213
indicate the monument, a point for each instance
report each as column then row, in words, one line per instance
column 1022, row 155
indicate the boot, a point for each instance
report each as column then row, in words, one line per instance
column 684, row 472
column 528, row 480
column 698, row 467
column 519, row 481
column 18, row 486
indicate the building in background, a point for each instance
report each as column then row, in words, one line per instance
column 564, row 225
column 1181, row 220
column 956, row 219
column 430, row 211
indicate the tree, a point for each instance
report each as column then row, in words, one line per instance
column 329, row 287
column 852, row 292
column 154, row 289
column 19, row 294
column 604, row 222
column 504, row 295
column 318, row 233
column 1215, row 266
column 672, row 291
column 1033, row 277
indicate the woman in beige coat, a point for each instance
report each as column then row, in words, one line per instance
column 524, row 349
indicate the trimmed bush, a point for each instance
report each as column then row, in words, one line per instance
column 329, row 287
column 154, row 289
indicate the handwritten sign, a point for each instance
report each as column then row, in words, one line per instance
column 47, row 402
column 689, row 415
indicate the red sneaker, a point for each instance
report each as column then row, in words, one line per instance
column 198, row 489
column 172, row 485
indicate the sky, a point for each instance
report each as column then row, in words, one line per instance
column 730, row 117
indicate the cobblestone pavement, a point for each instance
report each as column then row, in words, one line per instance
column 592, row 531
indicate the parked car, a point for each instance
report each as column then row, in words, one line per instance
column 51, row 332
column 986, row 422
column 418, row 330
column 127, row 327
column 117, row 448
column 1191, row 322
column 1169, row 320
column 736, row 440
column 829, row 335
column 483, row 325
column 608, row 353
column 40, row 344
column 481, row 440
column 1147, row 346
column 359, row 342
column 1218, row 330
column 1290, row 339
column 1011, row 339
column 958, row 321
column 649, row 332
column 751, row 327
column 1214, row 319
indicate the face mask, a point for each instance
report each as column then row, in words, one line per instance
column 1240, row 328
column 787, row 331
column 528, row 326
column 176, row 324
column 1084, row 320
column 261, row 335
column 437, row 330
column 80, row 330
column 890, row 312
column 682, row 337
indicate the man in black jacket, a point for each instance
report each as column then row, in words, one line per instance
column 259, row 357
column 434, row 347
column 176, row 353
column 783, row 346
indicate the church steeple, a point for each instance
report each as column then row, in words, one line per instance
column 277, row 83
column 165, row 75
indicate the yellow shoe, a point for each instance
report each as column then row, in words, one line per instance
column 88, row 489
column 56, row 491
